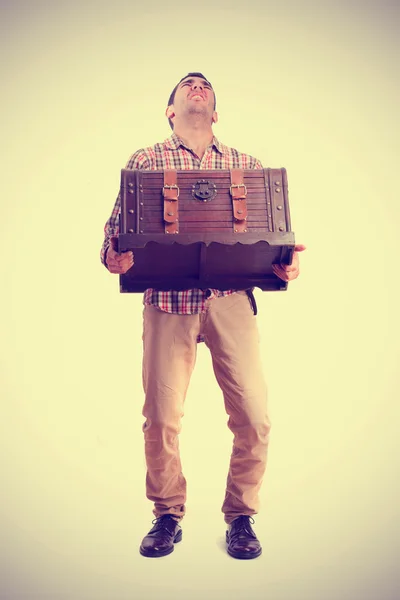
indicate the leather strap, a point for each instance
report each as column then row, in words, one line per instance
column 239, row 203
column 171, row 195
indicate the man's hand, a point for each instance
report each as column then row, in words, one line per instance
column 118, row 262
column 289, row 272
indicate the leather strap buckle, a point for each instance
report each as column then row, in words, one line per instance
column 170, row 187
column 239, row 204
column 238, row 196
column 170, row 192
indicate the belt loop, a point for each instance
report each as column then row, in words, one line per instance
column 250, row 295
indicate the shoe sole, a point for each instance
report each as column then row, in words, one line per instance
column 244, row 555
column 159, row 553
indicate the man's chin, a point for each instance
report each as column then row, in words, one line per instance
column 198, row 110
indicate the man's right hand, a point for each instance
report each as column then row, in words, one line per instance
column 118, row 262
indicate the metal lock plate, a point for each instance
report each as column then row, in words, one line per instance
column 204, row 190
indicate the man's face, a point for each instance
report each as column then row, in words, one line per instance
column 194, row 95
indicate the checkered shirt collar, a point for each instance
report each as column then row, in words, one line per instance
column 174, row 142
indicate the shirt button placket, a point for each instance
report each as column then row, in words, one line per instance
column 204, row 160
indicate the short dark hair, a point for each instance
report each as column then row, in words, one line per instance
column 172, row 96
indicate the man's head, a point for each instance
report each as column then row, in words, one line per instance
column 193, row 94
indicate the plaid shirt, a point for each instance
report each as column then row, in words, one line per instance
column 173, row 154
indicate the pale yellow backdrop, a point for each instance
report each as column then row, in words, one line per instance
column 310, row 86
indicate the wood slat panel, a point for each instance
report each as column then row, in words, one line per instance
column 218, row 200
column 201, row 227
column 195, row 219
column 143, row 211
column 215, row 215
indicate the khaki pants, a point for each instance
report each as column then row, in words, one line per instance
column 169, row 353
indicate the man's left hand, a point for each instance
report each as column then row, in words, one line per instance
column 289, row 272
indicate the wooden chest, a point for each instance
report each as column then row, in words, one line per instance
column 218, row 229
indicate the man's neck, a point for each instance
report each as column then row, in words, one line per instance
column 197, row 138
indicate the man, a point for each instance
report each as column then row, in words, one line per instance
column 174, row 322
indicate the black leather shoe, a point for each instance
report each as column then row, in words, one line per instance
column 161, row 538
column 241, row 539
